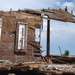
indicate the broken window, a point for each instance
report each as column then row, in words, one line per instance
column 21, row 37
column 0, row 27
column 37, row 33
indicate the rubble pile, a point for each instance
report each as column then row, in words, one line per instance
column 59, row 68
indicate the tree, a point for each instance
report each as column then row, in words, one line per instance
column 66, row 53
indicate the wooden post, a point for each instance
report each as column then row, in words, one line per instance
column 48, row 38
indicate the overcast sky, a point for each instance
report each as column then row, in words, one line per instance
column 62, row 34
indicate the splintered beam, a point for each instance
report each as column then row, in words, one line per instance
column 60, row 19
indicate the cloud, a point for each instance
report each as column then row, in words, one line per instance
column 68, row 4
column 60, row 28
column 63, row 34
column 34, row 4
column 58, row 3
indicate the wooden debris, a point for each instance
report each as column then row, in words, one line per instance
column 34, row 44
column 32, row 27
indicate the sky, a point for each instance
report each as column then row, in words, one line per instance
column 62, row 33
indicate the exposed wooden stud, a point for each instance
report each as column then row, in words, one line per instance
column 66, row 9
column 71, row 12
column 60, row 9
column 10, row 10
column 48, row 8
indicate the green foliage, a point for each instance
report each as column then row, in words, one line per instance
column 66, row 53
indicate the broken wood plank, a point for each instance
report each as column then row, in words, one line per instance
column 61, row 61
column 61, row 19
column 52, row 72
column 34, row 44
column 31, row 11
column 39, row 54
column 31, row 27
column 22, row 68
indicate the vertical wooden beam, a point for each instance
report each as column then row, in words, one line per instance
column 48, row 38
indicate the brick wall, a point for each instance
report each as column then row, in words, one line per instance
column 8, row 44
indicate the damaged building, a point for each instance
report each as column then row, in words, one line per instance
column 20, row 37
